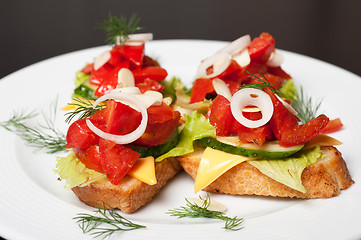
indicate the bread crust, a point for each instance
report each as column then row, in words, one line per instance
column 324, row 179
column 130, row 194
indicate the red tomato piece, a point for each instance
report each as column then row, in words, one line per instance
column 159, row 114
column 133, row 53
column 261, row 48
column 156, row 133
column 149, row 62
column 282, row 119
column 110, row 80
column 116, row 57
column 97, row 76
column 278, row 71
column 220, row 115
column 232, row 68
column 79, row 134
column 304, row 133
column 116, row 160
column 255, row 135
column 120, row 119
column 201, row 87
column 333, row 126
column 87, row 69
column 149, row 84
column 90, row 157
column 154, row 73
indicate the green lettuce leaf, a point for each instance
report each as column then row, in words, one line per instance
column 288, row 171
column 81, row 78
column 75, row 173
column 196, row 127
column 289, row 91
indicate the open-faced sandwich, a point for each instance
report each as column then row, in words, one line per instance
column 254, row 138
column 125, row 124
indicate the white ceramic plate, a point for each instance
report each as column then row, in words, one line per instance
column 34, row 205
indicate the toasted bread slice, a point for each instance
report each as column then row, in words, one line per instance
column 324, row 179
column 130, row 194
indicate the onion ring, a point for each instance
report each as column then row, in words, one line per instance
column 255, row 97
column 127, row 138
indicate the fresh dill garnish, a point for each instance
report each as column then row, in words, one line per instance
column 261, row 83
column 305, row 107
column 118, row 28
column 113, row 221
column 84, row 108
column 192, row 210
column 43, row 137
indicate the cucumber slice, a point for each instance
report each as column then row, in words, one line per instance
column 85, row 90
column 269, row 150
column 156, row 151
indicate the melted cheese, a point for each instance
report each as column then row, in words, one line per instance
column 323, row 141
column 144, row 170
column 213, row 164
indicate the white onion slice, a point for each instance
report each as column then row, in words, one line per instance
column 131, row 90
column 237, row 45
column 150, row 98
column 125, row 78
column 287, row 105
column 219, row 61
column 127, row 138
column 255, row 97
column 243, row 58
column 141, row 37
column 101, row 60
column 275, row 60
column 221, row 88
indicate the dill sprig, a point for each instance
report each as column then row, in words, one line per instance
column 192, row 210
column 261, row 83
column 305, row 107
column 118, row 28
column 84, row 109
column 43, row 137
column 112, row 220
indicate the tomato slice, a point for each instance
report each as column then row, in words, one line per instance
column 156, row 133
column 333, row 126
column 261, row 48
column 116, row 57
column 149, row 62
column 79, row 134
column 120, row 119
column 282, row 119
column 90, row 157
column 133, row 53
column 110, row 80
column 149, row 84
column 278, row 71
column 220, row 115
column 97, row 76
column 87, row 69
column 116, row 160
column 304, row 133
column 201, row 87
column 233, row 67
column 154, row 73
column 159, row 114
column 255, row 135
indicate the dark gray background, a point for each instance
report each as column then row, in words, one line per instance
column 35, row 30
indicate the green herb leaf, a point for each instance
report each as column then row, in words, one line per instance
column 305, row 107
column 43, row 137
column 84, row 108
column 261, row 82
column 118, row 28
column 192, row 210
column 112, row 220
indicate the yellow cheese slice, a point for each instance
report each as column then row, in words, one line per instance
column 144, row 170
column 323, row 141
column 213, row 164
